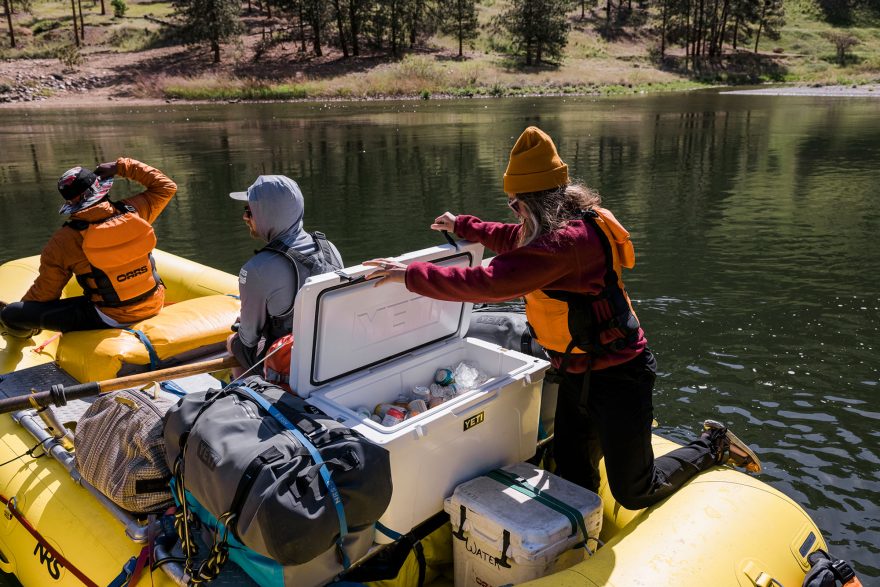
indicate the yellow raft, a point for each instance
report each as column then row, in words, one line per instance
column 722, row 528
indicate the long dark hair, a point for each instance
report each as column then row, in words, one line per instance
column 549, row 210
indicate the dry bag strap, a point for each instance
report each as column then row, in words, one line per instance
column 151, row 351
column 316, row 456
column 529, row 490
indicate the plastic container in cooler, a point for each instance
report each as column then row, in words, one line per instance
column 505, row 532
column 359, row 345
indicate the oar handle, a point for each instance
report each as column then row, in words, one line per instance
column 59, row 394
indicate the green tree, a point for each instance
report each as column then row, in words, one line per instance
column 539, row 28
column 770, row 20
column 210, row 21
column 842, row 41
column 459, row 19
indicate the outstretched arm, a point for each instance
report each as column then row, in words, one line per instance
column 160, row 188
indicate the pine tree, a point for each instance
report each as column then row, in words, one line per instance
column 539, row 28
column 211, row 21
column 459, row 19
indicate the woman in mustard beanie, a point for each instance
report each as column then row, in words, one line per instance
column 565, row 257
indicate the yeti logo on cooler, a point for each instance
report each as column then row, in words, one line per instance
column 474, row 420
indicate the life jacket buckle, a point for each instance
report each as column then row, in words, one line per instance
column 842, row 570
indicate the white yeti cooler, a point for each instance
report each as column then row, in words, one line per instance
column 519, row 524
column 356, row 345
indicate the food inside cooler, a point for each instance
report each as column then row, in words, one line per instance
column 448, row 383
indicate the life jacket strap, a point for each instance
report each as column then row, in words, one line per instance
column 324, row 257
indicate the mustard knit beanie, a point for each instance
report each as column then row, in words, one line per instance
column 534, row 164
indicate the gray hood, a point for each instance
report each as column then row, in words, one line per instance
column 276, row 203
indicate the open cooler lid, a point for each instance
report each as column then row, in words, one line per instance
column 342, row 324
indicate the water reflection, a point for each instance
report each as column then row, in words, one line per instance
column 753, row 217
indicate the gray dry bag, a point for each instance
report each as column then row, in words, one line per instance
column 250, row 451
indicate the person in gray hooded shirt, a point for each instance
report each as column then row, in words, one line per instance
column 269, row 281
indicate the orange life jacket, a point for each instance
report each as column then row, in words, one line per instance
column 119, row 250
column 568, row 322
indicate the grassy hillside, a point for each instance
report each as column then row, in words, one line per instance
column 266, row 63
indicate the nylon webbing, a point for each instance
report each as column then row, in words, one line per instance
column 524, row 487
column 145, row 340
column 392, row 534
column 325, row 473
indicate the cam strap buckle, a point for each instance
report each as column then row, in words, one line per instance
column 843, row 571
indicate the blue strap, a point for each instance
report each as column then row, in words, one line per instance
column 172, row 388
column 393, row 535
column 122, row 578
column 325, row 473
column 154, row 358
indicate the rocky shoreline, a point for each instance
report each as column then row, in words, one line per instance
column 39, row 87
column 44, row 83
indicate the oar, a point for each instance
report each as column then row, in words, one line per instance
column 59, row 395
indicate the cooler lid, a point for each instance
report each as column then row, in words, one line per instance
column 343, row 325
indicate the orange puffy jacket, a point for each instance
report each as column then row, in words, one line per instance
column 64, row 257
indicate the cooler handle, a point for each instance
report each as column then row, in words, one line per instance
column 475, row 402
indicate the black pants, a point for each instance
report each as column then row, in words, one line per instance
column 618, row 425
column 64, row 315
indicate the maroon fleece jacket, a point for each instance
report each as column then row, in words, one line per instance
column 568, row 259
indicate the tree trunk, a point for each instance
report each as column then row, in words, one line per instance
column 316, row 27
column 215, row 47
column 687, row 33
column 415, row 22
column 722, row 27
column 735, row 33
column 607, row 16
column 665, row 22
column 583, row 9
column 353, row 16
column 268, row 9
column 394, row 25
column 760, row 25
column 75, row 27
column 82, row 23
column 701, row 30
column 302, row 28
column 8, row 7
column 341, row 29
column 103, row 8
column 460, row 16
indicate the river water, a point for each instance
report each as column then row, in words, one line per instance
column 754, row 220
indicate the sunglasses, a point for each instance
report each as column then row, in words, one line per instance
column 512, row 202
column 247, row 212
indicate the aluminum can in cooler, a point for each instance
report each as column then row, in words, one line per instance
column 444, row 376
